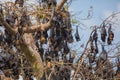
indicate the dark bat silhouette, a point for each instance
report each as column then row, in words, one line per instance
column 110, row 36
column 103, row 33
column 77, row 37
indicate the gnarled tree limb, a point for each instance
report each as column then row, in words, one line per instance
column 60, row 5
column 6, row 25
column 36, row 28
column 45, row 26
column 29, row 48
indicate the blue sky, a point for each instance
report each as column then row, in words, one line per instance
column 100, row 7
column 101, row 10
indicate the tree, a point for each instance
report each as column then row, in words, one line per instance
column 26, row 31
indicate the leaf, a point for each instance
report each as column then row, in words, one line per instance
column 66, row 7
column 73, row 53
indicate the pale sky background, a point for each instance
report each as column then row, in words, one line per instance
column 101, row 10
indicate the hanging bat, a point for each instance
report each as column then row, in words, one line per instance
column 8, row 37
column 52, row 3
column 91, row 58
column 95, row 36
column 77, row 37
column 110, row 36
column 1, row 38
column 103, row 33
column 103, row 55
column 65, row 47
column 95, row 48
column 69, row 37
column 1, row 10
column 20, row 2
column 41, row 52
column 44, row 36
column 118, row 66
column 91, row 44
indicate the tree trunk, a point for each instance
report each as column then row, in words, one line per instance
column 27, row 45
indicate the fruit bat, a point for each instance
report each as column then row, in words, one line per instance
column 44, row 4
column 103, row 55
column 77, row 37
column 41, row 52
column 96, row 48
column 52, row 3
column 110, row 36
column 52, row 34
column 91, row 44
column 64, row 33
column 57, row 43
column 8, row 17
column 69, row 38
column 20, row 31
column 118, row 66
column 91, row 58
column 25, row 20
column 11, row 18
column 103, row 33
column 44, row 36
column 1, row 37
column 47, row 56
column 95, row 36
column 20, row 2
column 65, row 47
column 1, row 10
column 8, row 37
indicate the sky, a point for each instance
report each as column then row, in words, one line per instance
column 101, row 10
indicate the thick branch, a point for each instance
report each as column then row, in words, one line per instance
column 29, row 48
column 45, row 26
column 6, row 25
column 60, row 5
column 35, row 28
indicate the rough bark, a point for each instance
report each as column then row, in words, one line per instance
column 29, row 48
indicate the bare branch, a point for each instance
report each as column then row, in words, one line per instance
column 35, row 28
column 45, row 26
column 6, row 25
column 110, row 17
column 60, row 5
